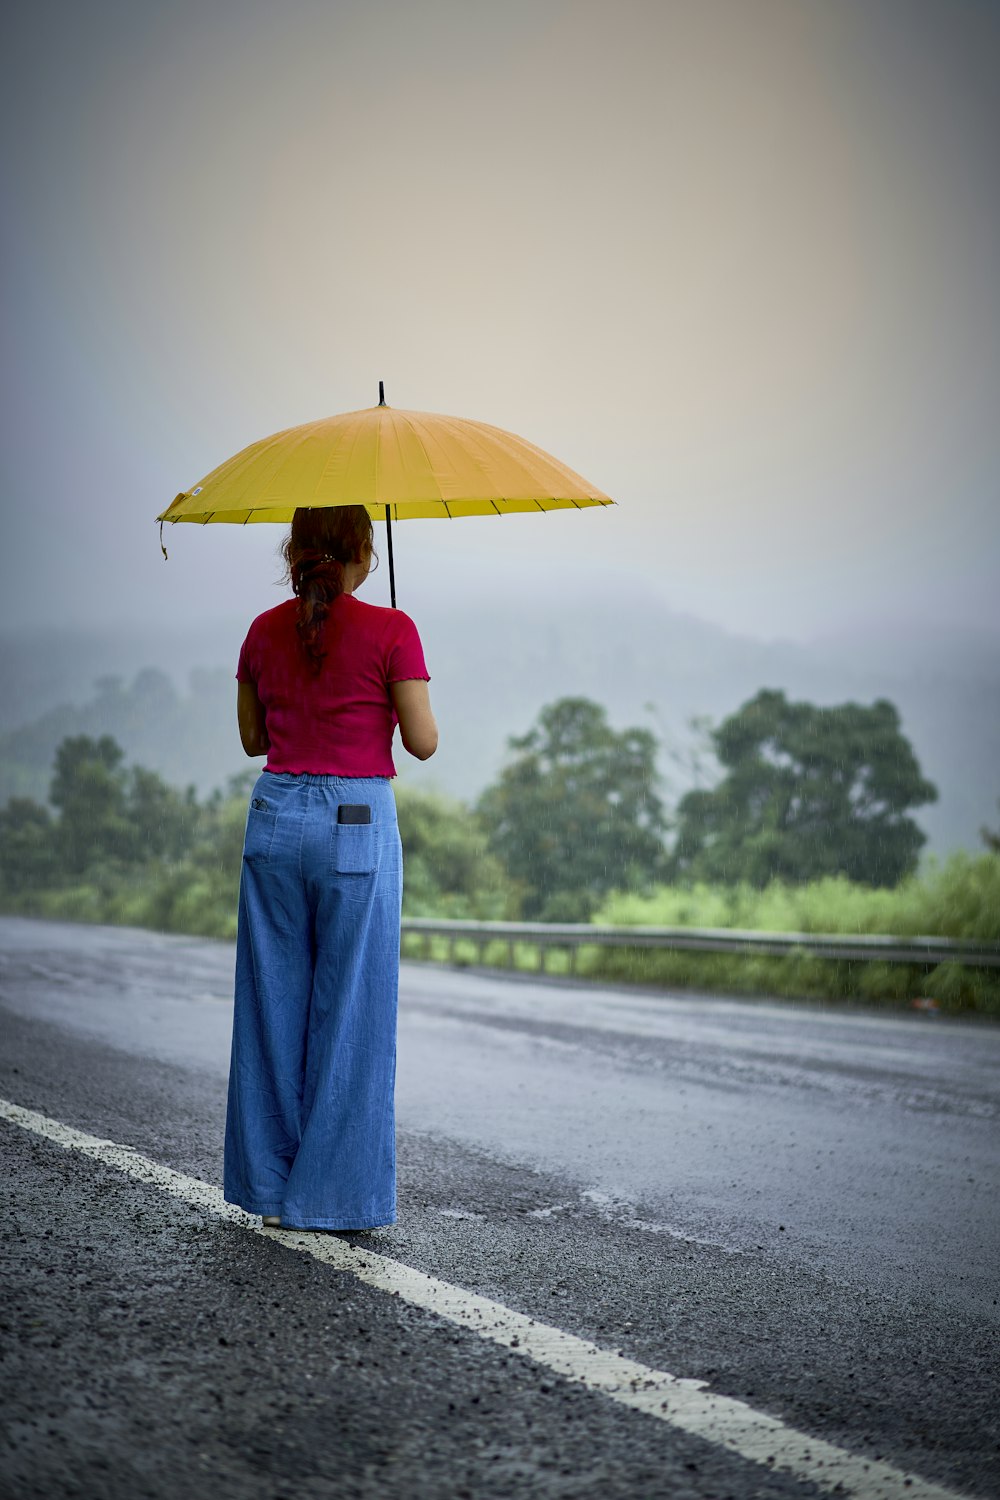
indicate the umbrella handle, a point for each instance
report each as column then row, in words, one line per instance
column 392, row 571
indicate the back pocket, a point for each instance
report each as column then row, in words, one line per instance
column 259, row 834
column 355, row 848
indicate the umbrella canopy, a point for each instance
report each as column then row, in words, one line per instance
column 398, row 464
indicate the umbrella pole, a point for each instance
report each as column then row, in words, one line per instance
column 392, row 571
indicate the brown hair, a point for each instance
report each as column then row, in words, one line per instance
column 320, row 543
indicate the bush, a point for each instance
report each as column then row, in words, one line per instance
column 960, row 899
column 447, row 870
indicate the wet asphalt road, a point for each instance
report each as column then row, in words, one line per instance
column 796, row 1205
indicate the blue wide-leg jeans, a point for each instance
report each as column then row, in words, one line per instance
column 310, row 1126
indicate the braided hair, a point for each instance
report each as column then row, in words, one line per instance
column 322, row 540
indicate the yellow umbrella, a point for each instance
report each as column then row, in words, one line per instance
column 395, row 463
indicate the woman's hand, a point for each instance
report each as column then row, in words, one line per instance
column 417, row 726
column 251, row 719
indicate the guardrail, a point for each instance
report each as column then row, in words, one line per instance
column 926, row 952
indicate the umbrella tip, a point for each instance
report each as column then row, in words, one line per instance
column 381, row 394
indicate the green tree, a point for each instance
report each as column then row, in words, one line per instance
column 163, row 819
column 89, row 791
column 576, row 813
column 199, row 892
column 111, row 817
column 447, row 869
column 807, row 792
column 28, row 857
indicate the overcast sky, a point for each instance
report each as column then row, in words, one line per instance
column 736, row 261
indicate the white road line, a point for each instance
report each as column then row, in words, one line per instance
column 686, row 1404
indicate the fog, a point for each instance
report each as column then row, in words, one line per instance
column 735, row 262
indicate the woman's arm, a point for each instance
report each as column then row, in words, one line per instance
column 417, row 726
column 251, row 719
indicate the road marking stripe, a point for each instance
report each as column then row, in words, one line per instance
column 686, row 1404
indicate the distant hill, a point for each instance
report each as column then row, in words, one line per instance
column 169, row 696
column 187, row 737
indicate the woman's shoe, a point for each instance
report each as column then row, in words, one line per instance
column 271, row 1221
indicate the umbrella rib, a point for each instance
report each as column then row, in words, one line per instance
column 415, row 430
column 355, row 441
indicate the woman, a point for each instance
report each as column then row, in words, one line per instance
column 323, row 680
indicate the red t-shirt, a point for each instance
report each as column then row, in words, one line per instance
column 340, row 721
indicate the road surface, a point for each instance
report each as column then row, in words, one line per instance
column 796, row 1207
